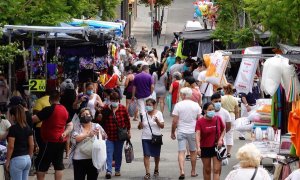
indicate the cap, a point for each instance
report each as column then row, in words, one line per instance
column 15, row 100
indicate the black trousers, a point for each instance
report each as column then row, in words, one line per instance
column 83, row 168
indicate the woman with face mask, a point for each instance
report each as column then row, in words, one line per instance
column 83, row 131
column 90, row 99
column 152, row 123
column 210, row 131
column 114, row 116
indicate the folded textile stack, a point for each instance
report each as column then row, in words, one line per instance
column 263, row 115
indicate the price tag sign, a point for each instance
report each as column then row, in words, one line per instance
column 37, row 85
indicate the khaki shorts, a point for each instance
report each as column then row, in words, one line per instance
column 184, row 139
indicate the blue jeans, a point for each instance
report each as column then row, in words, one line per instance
column 114, row 150
column 19, row 167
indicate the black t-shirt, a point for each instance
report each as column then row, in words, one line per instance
column 21, row 139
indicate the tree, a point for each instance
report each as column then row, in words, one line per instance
column 44, row 12
column 158, row 2
column 107, row 8
column 280, row 17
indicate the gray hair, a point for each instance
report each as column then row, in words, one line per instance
column 187, row 92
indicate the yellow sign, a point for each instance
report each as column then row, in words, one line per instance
column 37, row 85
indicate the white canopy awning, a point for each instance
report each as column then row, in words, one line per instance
column 49, row 29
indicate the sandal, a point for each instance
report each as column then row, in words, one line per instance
column 187, row 157
column 156, row 173
column 147, row 176
column 182, row 176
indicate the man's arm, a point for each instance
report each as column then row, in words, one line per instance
column 133, row 92
column 174, row 126
column 228, row 126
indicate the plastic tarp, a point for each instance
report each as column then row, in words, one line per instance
column 118, row 27
column 201, row 35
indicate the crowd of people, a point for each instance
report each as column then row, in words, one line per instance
column 67, row 120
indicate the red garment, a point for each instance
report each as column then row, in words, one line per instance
column 112, row 81
column 207, row 130
column 175, row 85
column 55, row 119
column 109, row 124
column 196, row 96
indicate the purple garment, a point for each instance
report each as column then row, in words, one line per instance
column 143, row 82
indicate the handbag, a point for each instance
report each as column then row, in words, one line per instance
column 86, row 147
column 220, row 152
column 122, row 132
column 99, row 153
column 128, row 150
column 155, row 139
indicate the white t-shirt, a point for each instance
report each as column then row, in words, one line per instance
column 176, row 68
column 4, row 125
column 225, row 116
column 187, row 111
column 146, row 134
column 247, row 173
column 77, row 154
column 210, row 89
column 294, row 176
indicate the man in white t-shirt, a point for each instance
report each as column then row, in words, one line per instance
column 206, row 88
column 223, row 113
column 185, row 115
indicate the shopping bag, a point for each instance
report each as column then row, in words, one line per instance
column 87, row 146
column 169, row 102
column 99, row 153
column 132, row 108
column 128, row 150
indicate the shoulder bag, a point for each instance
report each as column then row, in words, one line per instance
column 122, row 132
column 254, row 174
column 156, row 139
column 86, row 146
column 220, row 152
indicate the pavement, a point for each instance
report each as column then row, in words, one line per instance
column 175, row 17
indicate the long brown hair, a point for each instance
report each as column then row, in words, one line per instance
column 20, row 116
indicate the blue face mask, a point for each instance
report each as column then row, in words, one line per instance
column 222, row 92
column 218, row 106
column 89, row 92
column 149, row 108
column 114, row 104
column 210, row 114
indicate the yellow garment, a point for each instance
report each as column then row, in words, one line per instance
column 265, row 109
column 229, row 103
column 179, row 50
column 103, row 78
column 41, row 104
column 113, row 50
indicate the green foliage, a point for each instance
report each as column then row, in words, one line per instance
column 9, row 52
column 280, row 17
column 158, row 2
column 108, row 8
column 44, row 12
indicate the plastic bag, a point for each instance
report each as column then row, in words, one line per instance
column 217, row 67
column 244, row 79
column 99, row 153
column 169, row 102
column 128, row 150
column 132, row 108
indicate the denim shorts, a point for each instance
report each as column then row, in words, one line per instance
column 184, row 139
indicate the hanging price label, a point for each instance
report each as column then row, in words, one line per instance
column 37, row 85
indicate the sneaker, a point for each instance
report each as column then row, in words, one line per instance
column 117, row 174
column 108, row 175
column 242, row 138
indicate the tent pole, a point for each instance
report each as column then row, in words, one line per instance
column 9, row 66
column 46, row 53
column 31, row 54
